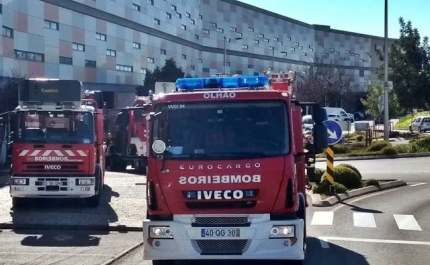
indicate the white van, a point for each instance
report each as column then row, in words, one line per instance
column 343, row 115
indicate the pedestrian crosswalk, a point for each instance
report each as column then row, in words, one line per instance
column 366, row 220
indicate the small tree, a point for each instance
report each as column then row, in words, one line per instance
column 323, row 82
column 9, row 89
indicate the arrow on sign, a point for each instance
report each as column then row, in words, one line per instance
column 332, row 134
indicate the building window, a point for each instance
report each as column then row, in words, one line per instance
column 347, row 51
column 205, row 69
column 288, row 38
column 342, row 58
column 205, row 31
column 261, row 35
column 65, row 60
column 29, row 56
column 239, row 34
column 233, row 29
column 300, row 47
column 321, row 45
column 173, row 8
column 227, row 39
column 51, row 25
column 193, row 67
column 179, row 15
column 188, row 15
column 100, row 36
column 143, row 70
column 151, row 2
column 220, row 30
column 136, row 45
column 197, row 37
column 250, row 66
column 213, row 25
column 183, row 27
column 7, row 32
column 251, row 29
column 200, row 60
column 275, row 38
column 1, row 8
column 168, row 16
column 266, row 40
column 361, row 60
column 256, row 41
column 311, row 49
column 201, row 17
column 78, row 47
column 336, row 52
column 331, row 49
column 184, row 56
column 361, row 73
column 304, row 54
column 192, row 21
column 293, row 49
column 162, row 51
column 296, row 43
column 227, row 63
column 280, row 43
column 244, row 46
column 156, row 21
column 271, row 48
column 136, row 7
column 90, row 64
column 124, row 68
column 111, row 53
column 150, row 60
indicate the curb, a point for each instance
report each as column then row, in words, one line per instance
column 110, row 228
column 122, row 254
column 330, row 201
column 347, row 158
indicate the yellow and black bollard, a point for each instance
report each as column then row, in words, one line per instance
column 330, row 165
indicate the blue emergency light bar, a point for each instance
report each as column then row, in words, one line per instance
column 233, row 82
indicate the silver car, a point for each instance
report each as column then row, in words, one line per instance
column 420, row 124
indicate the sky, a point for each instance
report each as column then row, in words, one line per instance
column 361, row 16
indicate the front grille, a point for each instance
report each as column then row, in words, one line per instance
column 220, row 221
column 222, row 247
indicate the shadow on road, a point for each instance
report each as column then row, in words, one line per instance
column 360, row 209
column 65, row 213
column 55, row 238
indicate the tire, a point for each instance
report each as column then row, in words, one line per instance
column 163, row 262
column 117, row 164
column 18, row 202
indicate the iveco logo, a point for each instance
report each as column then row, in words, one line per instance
column 57, row 167
column 219, row 95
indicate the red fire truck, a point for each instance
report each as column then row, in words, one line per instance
column 226, row 172
column 126, row 144
column 57, row 142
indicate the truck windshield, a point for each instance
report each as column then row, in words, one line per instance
column 222, row 130
column 55, row 127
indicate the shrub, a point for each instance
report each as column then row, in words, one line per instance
column 378, row 146
column 389, row 150
column 359, row 138
column 402, row 148
column 372, row 182
column 340, row 149
column 321, row 187
column 344, row 176
column 338, row 188
column 420, row 145
column 353, row 168
column 318, row 174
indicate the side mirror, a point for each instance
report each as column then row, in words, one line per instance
column 319, row 114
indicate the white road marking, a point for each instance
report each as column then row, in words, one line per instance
column 324, row 241
column 322, row 218
column 418, row 184
column 364, row 220
column 407, row 222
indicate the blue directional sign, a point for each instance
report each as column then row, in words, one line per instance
column 334, row 131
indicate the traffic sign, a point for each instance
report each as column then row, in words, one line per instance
column 334, row 131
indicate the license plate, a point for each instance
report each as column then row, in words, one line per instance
column 221, row 233
column 52, row 183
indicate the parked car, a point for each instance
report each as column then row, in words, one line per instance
column 420, row 124
column 343, row 115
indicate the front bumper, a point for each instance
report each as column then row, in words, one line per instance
column 253, row 243
column 36, row 187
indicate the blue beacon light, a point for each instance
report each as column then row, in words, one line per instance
column 221, row 82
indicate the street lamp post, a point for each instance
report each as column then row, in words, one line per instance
column 386, row 116
column 225, row 50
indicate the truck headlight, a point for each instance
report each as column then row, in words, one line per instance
column 282, row 231
column 160, row 232
column 85, row 182
column 19, row 181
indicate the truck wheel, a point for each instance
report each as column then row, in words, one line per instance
column 163, row 262
column 18, row 202
column 117, row 164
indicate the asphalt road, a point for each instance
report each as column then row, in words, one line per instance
column 409, row 169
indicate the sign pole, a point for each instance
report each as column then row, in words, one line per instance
column 330, row 166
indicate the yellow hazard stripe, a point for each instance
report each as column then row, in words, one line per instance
column 329, row 164
column 329, row 151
